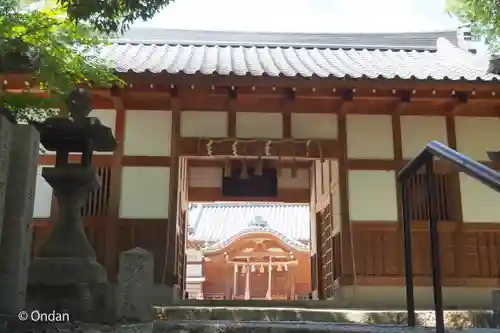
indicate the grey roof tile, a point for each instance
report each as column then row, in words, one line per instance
column 447, row 63
column 401, row 41
column 220, row 222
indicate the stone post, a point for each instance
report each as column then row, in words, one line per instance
column 6, row 132
column 15, row 240
column 135, row 283
column 495, row 295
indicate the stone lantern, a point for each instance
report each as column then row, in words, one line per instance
column 65, row 274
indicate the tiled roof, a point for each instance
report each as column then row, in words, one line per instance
column 372, row 41
column 355, row 56
column 214, row 223
column 226, row 241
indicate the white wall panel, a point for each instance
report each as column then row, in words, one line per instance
column 43, row 196
column 476, row 136
column 205, row 176
column 369, row 136
column 479, row 202
column 208, row 124
column 145, row 192
column 259, row 125
column 314, row 126
column 372, row 196
column 418, row 131
column 147, row 133
column 287, row 181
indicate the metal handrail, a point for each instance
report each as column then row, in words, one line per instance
column 474, row 169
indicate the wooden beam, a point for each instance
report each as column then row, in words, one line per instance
column 313, row 82
column 255, row 147
column 219, row 162
column 97, row 160
column 210, row 194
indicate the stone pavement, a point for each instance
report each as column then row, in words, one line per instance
column 229, row 326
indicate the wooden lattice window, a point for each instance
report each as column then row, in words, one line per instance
column 419, row 207
column 326, row 251
column 97, row 204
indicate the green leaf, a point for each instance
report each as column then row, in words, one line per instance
column 59, row 53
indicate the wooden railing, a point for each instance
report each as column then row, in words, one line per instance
column 418, row 204
column 97, row 204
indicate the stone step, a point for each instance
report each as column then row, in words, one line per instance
column 251, row 313
column 229, row 326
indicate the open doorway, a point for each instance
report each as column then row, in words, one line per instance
column 248, row 228
column 248, row 250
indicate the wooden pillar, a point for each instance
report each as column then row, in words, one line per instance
column 269, row 294
column 398, row 157
column 347, row 265
column 247, row 283
column 170, row 274
column 235, row 281
column 456, row 206
column 111, row 259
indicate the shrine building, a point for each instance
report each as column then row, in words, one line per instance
column 324, row 121
column 248, row 251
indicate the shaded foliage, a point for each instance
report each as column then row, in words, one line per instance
column 56, row 52
column 112, row 16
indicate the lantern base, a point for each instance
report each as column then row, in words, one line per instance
column 65, row 275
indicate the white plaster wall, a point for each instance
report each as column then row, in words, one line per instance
column 314, row 126
column 418, row 131
column 43, row 196
column 145, row 192
column 479, row 202
column 194, row 255
column 147, row 133
column 369, row 136
column 208, row 124
column 205, row 176
column 107, row 117
column 259, row 125
column 287, row 181
column 372, row 195
column 476, row 136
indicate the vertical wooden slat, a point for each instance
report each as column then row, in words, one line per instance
column 231, row 118
column 170, row 269
column 348, row 265
column 397, row 147
column 111, row 258
column 287, row 118
column 456, row 207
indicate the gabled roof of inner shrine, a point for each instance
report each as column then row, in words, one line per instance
column 218, row 224
column 406, row 56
